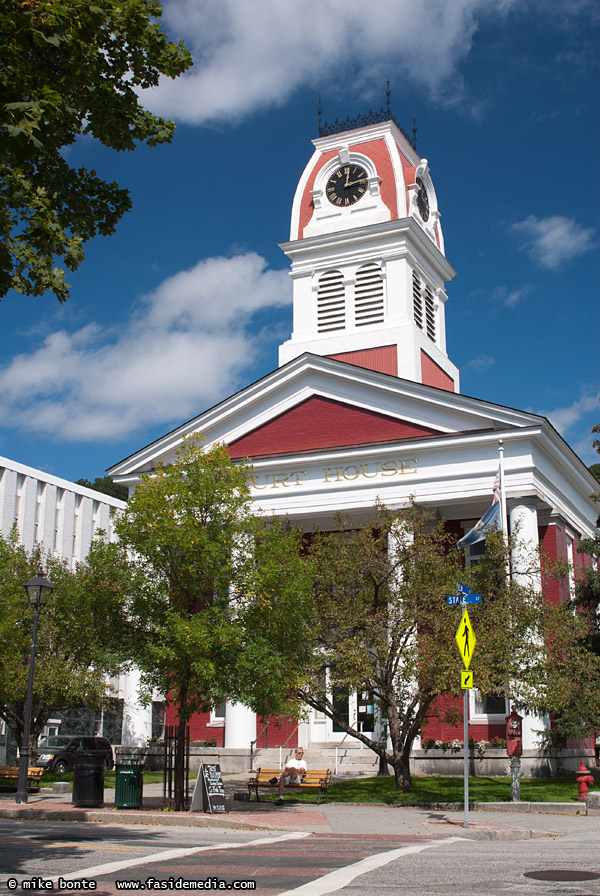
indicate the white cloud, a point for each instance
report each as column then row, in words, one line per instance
column 553, row 241
column 481, row 363
column 565, row 418
column 185, row 346
column 510, row 298
column 254, row 53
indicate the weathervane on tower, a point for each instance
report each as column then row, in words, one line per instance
column 327, row 128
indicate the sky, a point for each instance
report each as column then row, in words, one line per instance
column 189, row 300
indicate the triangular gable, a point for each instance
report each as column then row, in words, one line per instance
column 318, row 423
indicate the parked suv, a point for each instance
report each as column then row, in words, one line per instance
column 58, row 753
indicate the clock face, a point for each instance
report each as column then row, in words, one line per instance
column 422, row 200
column 346, row 185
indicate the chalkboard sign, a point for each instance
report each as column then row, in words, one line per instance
column 209, row 790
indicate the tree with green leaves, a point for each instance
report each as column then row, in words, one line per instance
column 83, row 633
column 107, row 486
column 68, row 69
column 229, row 607
column 383, row 627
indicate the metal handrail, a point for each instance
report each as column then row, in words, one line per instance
column 265, row 728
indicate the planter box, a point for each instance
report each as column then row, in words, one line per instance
column 495, row 762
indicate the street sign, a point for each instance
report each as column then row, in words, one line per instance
column 465, row 639
column 459, row 599
column 466, row 678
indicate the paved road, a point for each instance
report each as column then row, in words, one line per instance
column 299, row 862
column 269, row 862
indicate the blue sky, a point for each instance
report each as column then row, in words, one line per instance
column 190, row 299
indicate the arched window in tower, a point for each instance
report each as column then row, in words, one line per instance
column 331, row 302
column 417, row 301
column 430, row 313
column 368, row 296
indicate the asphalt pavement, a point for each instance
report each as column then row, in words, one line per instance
column 489, row 821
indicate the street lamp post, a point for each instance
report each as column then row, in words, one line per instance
column 37, row 590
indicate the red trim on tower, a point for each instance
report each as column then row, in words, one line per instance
column 318, row 423
column 307, row 206
column 433, row 375
column 384, row 358
column 378, row 151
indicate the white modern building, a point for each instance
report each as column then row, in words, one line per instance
column 63, row 518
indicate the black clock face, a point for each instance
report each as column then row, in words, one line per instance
column 422, row 200
column 346, row 185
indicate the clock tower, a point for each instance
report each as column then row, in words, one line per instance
column 367, row 256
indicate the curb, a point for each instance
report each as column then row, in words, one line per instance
column 186, row 819
column 132, row 817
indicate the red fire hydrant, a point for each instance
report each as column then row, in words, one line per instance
column 584, row 779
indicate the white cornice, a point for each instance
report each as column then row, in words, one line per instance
column 375, row 238
column 64, row 484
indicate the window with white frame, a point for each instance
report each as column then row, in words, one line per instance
column 217, row 714
column 487, row 707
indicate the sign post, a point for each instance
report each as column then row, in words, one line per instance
column 465, row 641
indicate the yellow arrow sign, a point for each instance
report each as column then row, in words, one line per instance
column 465, row 639
column 466, row 679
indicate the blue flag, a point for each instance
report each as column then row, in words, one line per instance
column 489, row 520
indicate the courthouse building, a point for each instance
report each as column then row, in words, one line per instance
column 365, row 404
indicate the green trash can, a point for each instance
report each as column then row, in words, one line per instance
column 129, row 783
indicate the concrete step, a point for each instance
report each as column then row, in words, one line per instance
column 350, row 761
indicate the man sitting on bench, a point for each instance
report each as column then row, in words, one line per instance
column 292, row 773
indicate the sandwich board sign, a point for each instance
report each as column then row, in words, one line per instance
column 209, row 792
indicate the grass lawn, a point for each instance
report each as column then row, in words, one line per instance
column 48, row 778
column 438, row 789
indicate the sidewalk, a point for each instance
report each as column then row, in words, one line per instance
column 497, row 821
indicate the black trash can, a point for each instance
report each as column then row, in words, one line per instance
column 129, row 783
column 88, row 782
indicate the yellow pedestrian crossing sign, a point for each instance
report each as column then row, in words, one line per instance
column 465, row 639
column 466, row 679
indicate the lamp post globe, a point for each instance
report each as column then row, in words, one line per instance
column 37, row 590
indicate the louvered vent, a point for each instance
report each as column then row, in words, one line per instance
column 368, row 296
column 331, row 303
column 417, row 301
column 430, row 313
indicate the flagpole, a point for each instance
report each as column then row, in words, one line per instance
column 502, row 493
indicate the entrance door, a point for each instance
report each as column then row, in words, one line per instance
column 357, row 709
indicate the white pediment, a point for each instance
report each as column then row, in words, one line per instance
column 307, row 376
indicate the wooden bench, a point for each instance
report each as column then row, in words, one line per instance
column 10, row 775
column 313, row 779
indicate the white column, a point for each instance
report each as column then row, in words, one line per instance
column 525, row 566
column 240, row 726
column 137, row 719
column 525, row 561
column 304, row 734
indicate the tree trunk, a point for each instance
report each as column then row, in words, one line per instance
column 179, row 777
column 402, row 776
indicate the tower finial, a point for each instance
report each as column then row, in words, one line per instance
column 388, row 93
column 414, row 131
column 320, row 114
